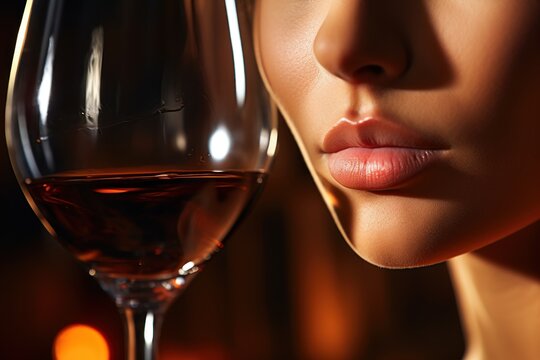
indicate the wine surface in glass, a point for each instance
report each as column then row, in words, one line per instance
column 144, row 226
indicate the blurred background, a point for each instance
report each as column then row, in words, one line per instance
column 286, row 286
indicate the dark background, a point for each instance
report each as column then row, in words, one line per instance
column 286, row 286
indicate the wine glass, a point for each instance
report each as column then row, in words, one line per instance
column 140, row 134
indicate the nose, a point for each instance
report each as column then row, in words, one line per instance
column 360, row 41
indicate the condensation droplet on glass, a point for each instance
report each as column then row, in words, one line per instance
column 205, row 157
column 41, row 139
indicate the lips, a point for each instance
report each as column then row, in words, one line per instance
column 373, row 154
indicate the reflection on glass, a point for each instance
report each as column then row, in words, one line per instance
column 238, row 56
column 93, row 80
column 220, row 144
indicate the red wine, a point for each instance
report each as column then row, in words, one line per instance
column 144, row 226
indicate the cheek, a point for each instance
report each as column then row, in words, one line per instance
column 492, row 106
column 286, row 55
column 495, row 60
column 504, row 97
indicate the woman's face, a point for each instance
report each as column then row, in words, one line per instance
column 419, row 119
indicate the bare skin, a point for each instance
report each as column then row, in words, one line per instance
column 419, row 123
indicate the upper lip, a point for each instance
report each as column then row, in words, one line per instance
column 370, row 132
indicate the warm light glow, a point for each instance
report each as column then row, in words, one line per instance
column 181, row 141
column 80, row 342
column 331, row 199
column 114, row 191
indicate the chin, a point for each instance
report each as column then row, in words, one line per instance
column 409, row 233
column 399, row 232
column 398, row 252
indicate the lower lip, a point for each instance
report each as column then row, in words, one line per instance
column 383, row 168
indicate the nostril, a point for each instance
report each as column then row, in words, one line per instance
column 370, row 70
column 374, row 69
column 368, row 73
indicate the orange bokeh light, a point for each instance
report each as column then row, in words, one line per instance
column 80, row 342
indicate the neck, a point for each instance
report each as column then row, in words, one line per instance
column 498, row 293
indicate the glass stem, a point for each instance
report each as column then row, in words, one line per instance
column 142, row 328
column 142, row 304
